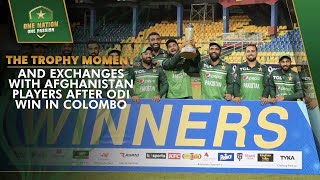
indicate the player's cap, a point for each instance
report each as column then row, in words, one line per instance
column 215, row 44
column 145, row 48
column 170, row 41
column 114, row 51
column 284, row 57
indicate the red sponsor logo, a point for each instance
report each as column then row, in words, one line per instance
column 141, row 81
column 245, row 77
column 174, row 155
column 208, row 75
column 206, row 155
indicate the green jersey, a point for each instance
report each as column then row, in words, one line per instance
column 307, row 83
column 148, row 82
column 251, row 83
column 176, row 70
column 286, row 84
column 216, row 81
column 156, row 58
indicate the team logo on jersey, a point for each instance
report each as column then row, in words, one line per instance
column 278, row 88
column 245, row 77
column 223, row 67
column 154, row 71
column 306, row 86
column 290, row 77
column 141, row 81
column 260, row 69
column 208, row 75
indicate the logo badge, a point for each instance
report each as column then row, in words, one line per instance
column 191, row 156
column 265, row 157
column 225, row 157
column 80, row 155
column 156, row 155
column 42, row 17
column 239, row 156
column 174, row 155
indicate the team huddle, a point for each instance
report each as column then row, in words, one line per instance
column 161, row 73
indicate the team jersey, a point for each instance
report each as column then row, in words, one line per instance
column 158, row 58
column 307, row 84
column 176, row 70
column 286, row 84
column 251, row 83
column 216, row 81
column 148, row 82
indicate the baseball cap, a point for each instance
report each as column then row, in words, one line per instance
column 114, row 50
column 170, row 41
column 145, row 48
column 215, row 44
column 284, row 57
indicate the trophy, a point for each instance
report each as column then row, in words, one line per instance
column 189, row 52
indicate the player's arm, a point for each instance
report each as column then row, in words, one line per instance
column 131, row 77
column 298, row 90
column 171, row 62
column 266, row 86
column 163, row 83
column 237, row 81
column 230, row 81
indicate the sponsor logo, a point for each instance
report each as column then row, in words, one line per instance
column 20, row 155
column 174, row 155
column 208, row 75
column 225, row 157
column 139, row 71
column 59, row 153
column 245, row 77
column 239, row 156
column 207, row 66
column 156, row 155
column 206, row 155
column 244, row 69
column 38, row 155
column 80, row 154
column 191, row 156
column 104, row 155
column 126, row 155
column 277, row 77
column 265, row 157
column 290, row 158
column 306, row 78
column 249, row 156
column 141, row 81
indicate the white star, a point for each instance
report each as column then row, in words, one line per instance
column 41, row 14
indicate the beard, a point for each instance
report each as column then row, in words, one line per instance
column 285, row 68
column 214, row 56
column 147, row 61
column 155, row 48
column 251, row 59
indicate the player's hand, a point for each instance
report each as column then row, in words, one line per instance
column 187, row 42
column 228, row 97
column 311, row 105
column 280, row 98
column 237, row 100
column 136, row 99
column 307, row 100
column 273, row 100
column 156, row 98
column 157, row 63
column 264, row 100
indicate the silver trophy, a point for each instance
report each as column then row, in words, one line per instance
column 189, row 52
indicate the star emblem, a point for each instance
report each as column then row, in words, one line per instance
column 154, row 71
column 223, row 67
column 41, row 14
column 260, row 69
column 290, row 78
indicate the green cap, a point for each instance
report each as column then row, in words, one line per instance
column 145, row 48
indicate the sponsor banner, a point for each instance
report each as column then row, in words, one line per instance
column 170, row 158
column 40, row 21
column 177, row 135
